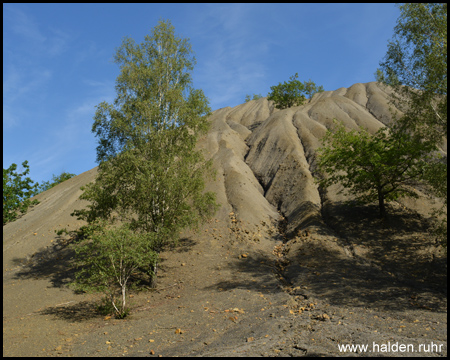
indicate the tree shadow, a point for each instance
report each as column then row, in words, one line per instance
column 306, row 214
column 53, row 262
column 81, row 311
column 261, row 269
column 402, row 244
column 392, row 264
column 344, row 281
column 184, row 245
column 56, row 264
column 368, row 263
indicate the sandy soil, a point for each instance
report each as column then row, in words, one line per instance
column 232, row 296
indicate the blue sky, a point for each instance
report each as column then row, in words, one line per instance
column 57, row 62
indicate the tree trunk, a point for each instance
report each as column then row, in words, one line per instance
column 124, row 298
column 153, row 275
column 381, row 204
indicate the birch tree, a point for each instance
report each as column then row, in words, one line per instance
column 150, row 173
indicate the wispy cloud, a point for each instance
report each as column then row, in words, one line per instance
column 19, row 82
column 21, row 85
column 231, row 55
column 58, row 42
column 72, row 138
column 24, row 25
column 35, row 39
column 69, row 140
column 31, row 53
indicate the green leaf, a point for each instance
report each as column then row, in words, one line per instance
column 376, row 167
column 17, row 192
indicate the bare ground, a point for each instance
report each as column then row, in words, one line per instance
column 221, row 293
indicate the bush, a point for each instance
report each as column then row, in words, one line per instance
column 255, row 97
column 55, row 181
column 287, row 94
column 17, row 192
column 311, row 88
column 291, row 94
column 107, row 259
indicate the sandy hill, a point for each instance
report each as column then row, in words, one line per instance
column 281, row 270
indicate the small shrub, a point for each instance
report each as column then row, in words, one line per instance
column 46, row 185
column 291, row 93
column 255, row 97
column 61, row 231
column 17, row 192
column 107, row 258
column 106, row 308
column 287, row 94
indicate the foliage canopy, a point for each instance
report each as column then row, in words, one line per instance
column 287, row 94
column 291, row 93
column 255, row 97
column 46, row 185
column 150, row 174
column 415, row 65
column 17, row 192
column 375, row 167
column 154, row 94
column 107, row 260
column 311, row 88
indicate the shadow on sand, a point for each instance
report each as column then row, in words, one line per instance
column 56, row 264
column 393, row 264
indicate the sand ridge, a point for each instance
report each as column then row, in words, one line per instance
column 280, row 270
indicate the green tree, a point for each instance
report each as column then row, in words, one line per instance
column 17, row 192
column 255, row 97
column 415, row 65
column 55, row 181
column 287, row 94
column 107, row 260
column 375, row 167
column 436, row 176
column 311, row 88
column 150, row 173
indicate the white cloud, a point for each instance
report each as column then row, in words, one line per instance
column 231, row 57
column 24, row 25
column 66, row 142
column 9, row 119
column 35, row 39
column 27, row 71
column 99, row 89
column 58, row 42
column 21, row 81
column 89, row 51
column 68, row 138
column 22, row 85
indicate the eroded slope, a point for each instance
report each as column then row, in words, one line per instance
column 248, row 283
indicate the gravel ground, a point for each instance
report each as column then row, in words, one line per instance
column 223, row 295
